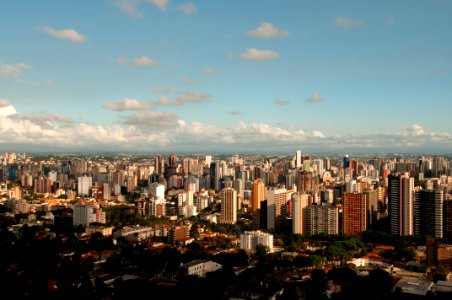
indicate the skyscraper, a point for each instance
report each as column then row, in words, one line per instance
column 400, row 206
column 322, row 219
column 428, row 213
column 354, row 213
column 299, row 209
column 228, row 206
column 346, row 161
column 257, row 194
column 298, row 159
column 276, row 208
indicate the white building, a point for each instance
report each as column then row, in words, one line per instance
column 250, row 239
column 157, row 190
column 84, row 185
column 199, row 267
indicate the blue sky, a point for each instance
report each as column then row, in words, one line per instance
column 226, row 75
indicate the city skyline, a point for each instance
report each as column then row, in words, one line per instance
column 199, row 76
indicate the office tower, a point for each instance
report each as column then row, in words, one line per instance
column 400, row 204
column 298, row 159
column 84, row 185
column 228, row 206
column 299, row 208
column 322, row 219
column 428, row 213
column 346, row 162
column 257, row 194
column 276, row 208
column 354, row 213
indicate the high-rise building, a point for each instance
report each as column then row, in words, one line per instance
column 353, row 163
column 257, row 194
column 346, row 161
column 276, row 208
column 299, row 209
column 298, row 159
column 228, row 206
column 322, row 219
column 304, row 182
column 159, row 165
column 401, row 204
column 84, row 185
column 354, row 213
column 157, row 190
column 371, row 206
column 428, row 213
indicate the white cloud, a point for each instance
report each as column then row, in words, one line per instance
column 130, row 7
column 266, row 31
column 209, row 70
column 281, row 101
column 4, row 102
column 13, row 71
column 128, row 104
column 151, row 120
column 161, row 4
column 185, row 79
column 187, row 97
column 347, row 23
column 416, row 130
column 187, row 8
column 144, row 61
column 315, row 98
column 65, row 34
column 255, row 54
column 317, row 134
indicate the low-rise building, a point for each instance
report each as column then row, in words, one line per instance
column 199, row 267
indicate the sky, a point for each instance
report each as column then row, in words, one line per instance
column 204, row 75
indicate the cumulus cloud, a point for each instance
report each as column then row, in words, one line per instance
column 187, row 8
column 267, row 31
column 315, row 98
column 130, row 7
column 4, row 102
column 416, row 130
column 255, row 54
column 161, row 4
column 281, row 101
column 128, row 104
column 144, row 61
column 347, row 23
column 317, row 134
column 151, row 119
column 13, row 71
column 65, row 34
column 185, row 98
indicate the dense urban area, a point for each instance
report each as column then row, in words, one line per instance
column 199, row 226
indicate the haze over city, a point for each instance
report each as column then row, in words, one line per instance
column 160, row 75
